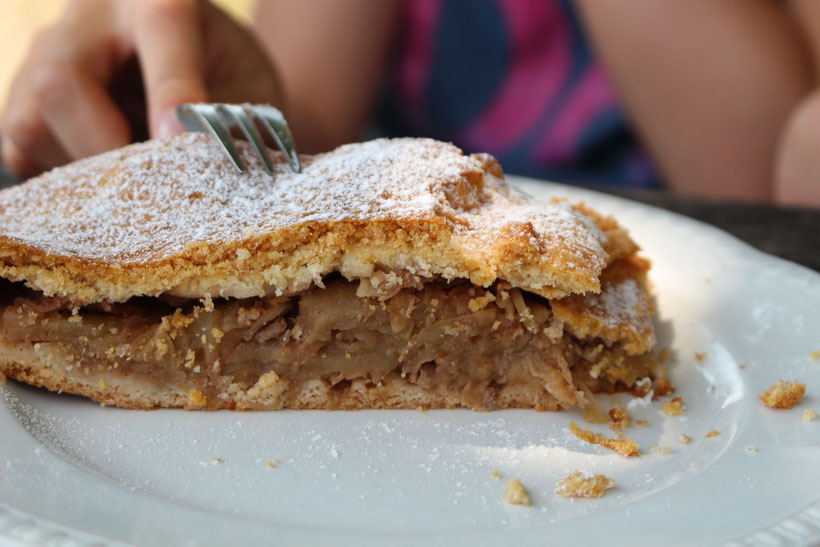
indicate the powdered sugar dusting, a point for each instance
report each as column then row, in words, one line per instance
column 624, row 302
column 152, row 200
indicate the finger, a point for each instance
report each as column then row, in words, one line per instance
column 17, row 161
column 28, row 143
column 170, row 48
column 78, row 110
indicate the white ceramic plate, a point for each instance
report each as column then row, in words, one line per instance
column 72, row 472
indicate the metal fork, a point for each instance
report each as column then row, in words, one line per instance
column 220, row 118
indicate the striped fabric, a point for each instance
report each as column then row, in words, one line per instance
column 515, row 78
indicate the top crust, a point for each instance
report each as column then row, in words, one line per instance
column 173, row 216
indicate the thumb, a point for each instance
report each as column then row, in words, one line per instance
column 169, row 45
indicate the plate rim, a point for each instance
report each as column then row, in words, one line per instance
column 19, row 527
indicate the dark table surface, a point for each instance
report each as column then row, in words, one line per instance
column 787, row 232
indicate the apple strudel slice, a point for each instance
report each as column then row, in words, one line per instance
column 388, row 274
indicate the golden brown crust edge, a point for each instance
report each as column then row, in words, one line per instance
column 471, row 232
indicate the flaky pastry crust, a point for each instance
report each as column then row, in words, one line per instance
column 173, row 216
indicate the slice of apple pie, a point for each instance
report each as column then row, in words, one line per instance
column 388, row 274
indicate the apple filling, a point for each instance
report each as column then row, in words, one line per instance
column 472, row 346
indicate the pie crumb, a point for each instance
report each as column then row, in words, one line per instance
column 713, row 433
column 750, row 448
column 216, row 460
column 516, row 494
column 783, row 394
column 700, row 356
column 496, row 474
column 642, row 422
column 627, row 447
column 742, row 367
column 620, row 418
column 815, row 354
column 584, row 485
column 685, row 439
column 664, row 450
column 809, row 415
column 271, row 463
column 674, row 407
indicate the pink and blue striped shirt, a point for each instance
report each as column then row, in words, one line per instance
column 515, row 78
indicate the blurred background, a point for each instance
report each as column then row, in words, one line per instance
column 21, row 19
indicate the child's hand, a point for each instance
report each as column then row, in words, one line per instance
column 62, row 105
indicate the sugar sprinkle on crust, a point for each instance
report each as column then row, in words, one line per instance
column 783, row 394
column 627, row 447
column 584, row 485
column 173, row 216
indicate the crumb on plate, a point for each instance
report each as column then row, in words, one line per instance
column 620, row 418
column 674, row 407
column 685, row 439
column 750, row 448
column 815, row 354
column 516, row 494
column 627, row 447
column 783, row 394
column 584, row 485
column 496, row 474
column 713, row 433
column 700, row 356
column 664, row 450
column 643, row 422
column 271, row 463
column 809, row 415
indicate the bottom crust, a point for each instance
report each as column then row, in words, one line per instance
column 393, row 392
column 434, row 346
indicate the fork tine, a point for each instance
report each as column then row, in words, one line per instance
column 274, row 122
column 196, row 117
column 238, row 116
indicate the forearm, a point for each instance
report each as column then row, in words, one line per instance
column 331, row 55
column 709, row 86
column 797, row 175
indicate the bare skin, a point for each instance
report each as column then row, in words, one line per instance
column 721, row 92
column 709, row 85
column 60, row 108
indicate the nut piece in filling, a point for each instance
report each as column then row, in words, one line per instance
column 389, row 274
